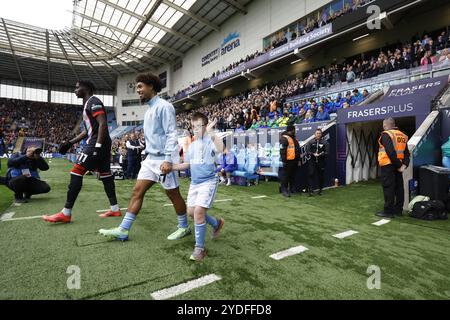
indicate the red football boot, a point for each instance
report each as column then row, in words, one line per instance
column 59, row 217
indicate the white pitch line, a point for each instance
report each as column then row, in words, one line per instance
column 6, row 216
column 184, row 287
column 381, row 222
column 168, row 205
column 259, row 197
column 106, row 210
column 345, row 234
column 289, row 252
column 23, row 218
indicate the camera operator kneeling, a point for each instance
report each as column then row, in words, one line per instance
column 23, row 177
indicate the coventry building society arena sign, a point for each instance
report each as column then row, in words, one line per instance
column 231, row 42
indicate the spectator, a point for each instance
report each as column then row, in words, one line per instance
column 227, row 165
column 239, row 128
column 427, row 59
column 350, row 77
column 309, row 117
column 322, row 115
column 133, row 156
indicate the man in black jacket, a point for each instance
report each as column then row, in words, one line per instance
column 134, row 148
column 317, row 151
column 290, row 156
column 23, row 177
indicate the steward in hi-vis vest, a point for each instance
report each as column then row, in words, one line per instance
column 393, row 158
column 290, row 156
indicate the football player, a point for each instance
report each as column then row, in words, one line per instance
column 161, row 148
column 95, row 155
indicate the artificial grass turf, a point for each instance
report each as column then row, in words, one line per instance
column 413, row 255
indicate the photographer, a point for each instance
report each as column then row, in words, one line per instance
column 23, row 177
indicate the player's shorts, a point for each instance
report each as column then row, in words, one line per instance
column 150, row 170
column 86, row 161
column 202, row 194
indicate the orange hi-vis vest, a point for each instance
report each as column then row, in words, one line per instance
column 399, row 140
column 290, row 152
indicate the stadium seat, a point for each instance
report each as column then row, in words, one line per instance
column 247, row 167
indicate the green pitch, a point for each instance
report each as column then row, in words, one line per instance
column 34, row 256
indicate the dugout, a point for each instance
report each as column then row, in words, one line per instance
column 266, row 142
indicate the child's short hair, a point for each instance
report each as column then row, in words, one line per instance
column 199, row 115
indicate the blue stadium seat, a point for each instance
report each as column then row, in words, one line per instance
column 247, row 166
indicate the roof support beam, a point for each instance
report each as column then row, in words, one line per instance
column 80, row 43
column 87, row 62
column 236, row 5
column 12, row 50
column 123, row 64
column 111, row 46
column 132, row 35
column 65, row 54
column 192, row 15
column 150, row 22
column 49, row 87
column 114, row 44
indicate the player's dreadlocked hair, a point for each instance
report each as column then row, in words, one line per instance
column 150, row 79
column 88, row 85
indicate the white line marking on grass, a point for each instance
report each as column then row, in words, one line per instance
column 168, row 205
column 381, row 222
column 184, row 287
column 259, row 197
column 289, row 252
column 17, row 204
column 345, row 234
column 23, row 218
column 106, row 210
column 6, row 216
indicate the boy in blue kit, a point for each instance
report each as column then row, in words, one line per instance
column 200, row 158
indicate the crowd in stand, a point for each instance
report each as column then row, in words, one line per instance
column 53, row 122
column 285, row 36
column 314, row 21
column 265, row 107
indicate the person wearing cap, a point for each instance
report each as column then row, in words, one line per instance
column 23, row 176
column 290, row 156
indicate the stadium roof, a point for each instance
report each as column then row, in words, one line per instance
column 108, row 38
